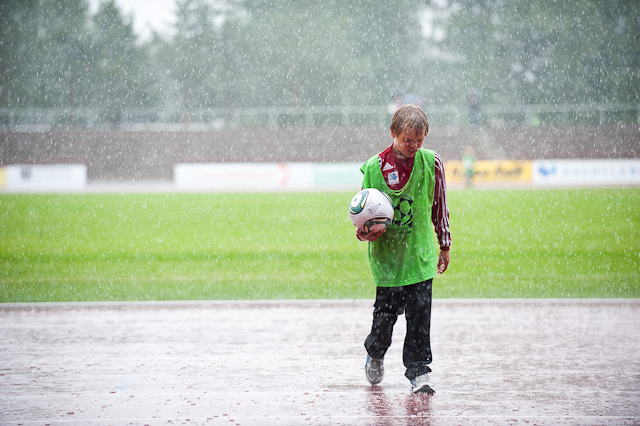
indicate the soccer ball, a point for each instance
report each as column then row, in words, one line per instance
column 371, row 210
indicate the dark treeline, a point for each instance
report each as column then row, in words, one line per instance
column 235, row 53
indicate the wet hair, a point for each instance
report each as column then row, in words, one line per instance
column 410, row 117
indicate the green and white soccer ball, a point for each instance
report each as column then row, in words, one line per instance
column 371, row 210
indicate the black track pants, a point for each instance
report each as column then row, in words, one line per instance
column 415, row 301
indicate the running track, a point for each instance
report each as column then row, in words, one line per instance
column 496, row 362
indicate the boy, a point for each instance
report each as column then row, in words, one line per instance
column 403, row 258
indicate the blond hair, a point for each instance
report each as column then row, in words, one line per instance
column 410, row 117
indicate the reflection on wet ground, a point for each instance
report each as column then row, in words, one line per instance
column 544, row 362
column 386, row 410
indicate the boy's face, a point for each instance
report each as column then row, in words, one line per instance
column 407, row 143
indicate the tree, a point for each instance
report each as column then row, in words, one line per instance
column 62, row 64
column 44, row 55
column 298, row 55
column 388, row 38
column 16, row 74
column 333, row 52
column 547, row 52
column 120, row 79
column 195, row 55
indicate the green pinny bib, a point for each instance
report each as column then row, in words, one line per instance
column 407, row 252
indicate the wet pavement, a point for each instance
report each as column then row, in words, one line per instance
column 496, row 362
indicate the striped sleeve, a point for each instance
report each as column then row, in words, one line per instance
column 440, row 211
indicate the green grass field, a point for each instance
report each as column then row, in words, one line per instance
column 506, row 243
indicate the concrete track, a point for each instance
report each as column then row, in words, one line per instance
column 496, row 362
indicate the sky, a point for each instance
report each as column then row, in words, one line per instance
column 147, row 15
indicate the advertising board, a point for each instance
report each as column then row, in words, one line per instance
column 490, row 171
column 266, row 176
column 46, row 177
column 586, row 172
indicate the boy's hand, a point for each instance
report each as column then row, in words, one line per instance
column 443, row 261
column 371, row 236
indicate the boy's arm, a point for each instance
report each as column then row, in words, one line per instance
column 440, row 215
column 371, row 236
column 443, row 261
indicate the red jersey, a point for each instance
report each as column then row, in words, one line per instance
column 396, row 173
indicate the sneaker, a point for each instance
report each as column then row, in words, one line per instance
column 374, row 370
column 422, row 384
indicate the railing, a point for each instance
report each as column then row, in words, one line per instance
column 313, row 116
column 566, row 113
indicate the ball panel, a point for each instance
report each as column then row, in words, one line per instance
column 358, row 202
column 376, row 225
